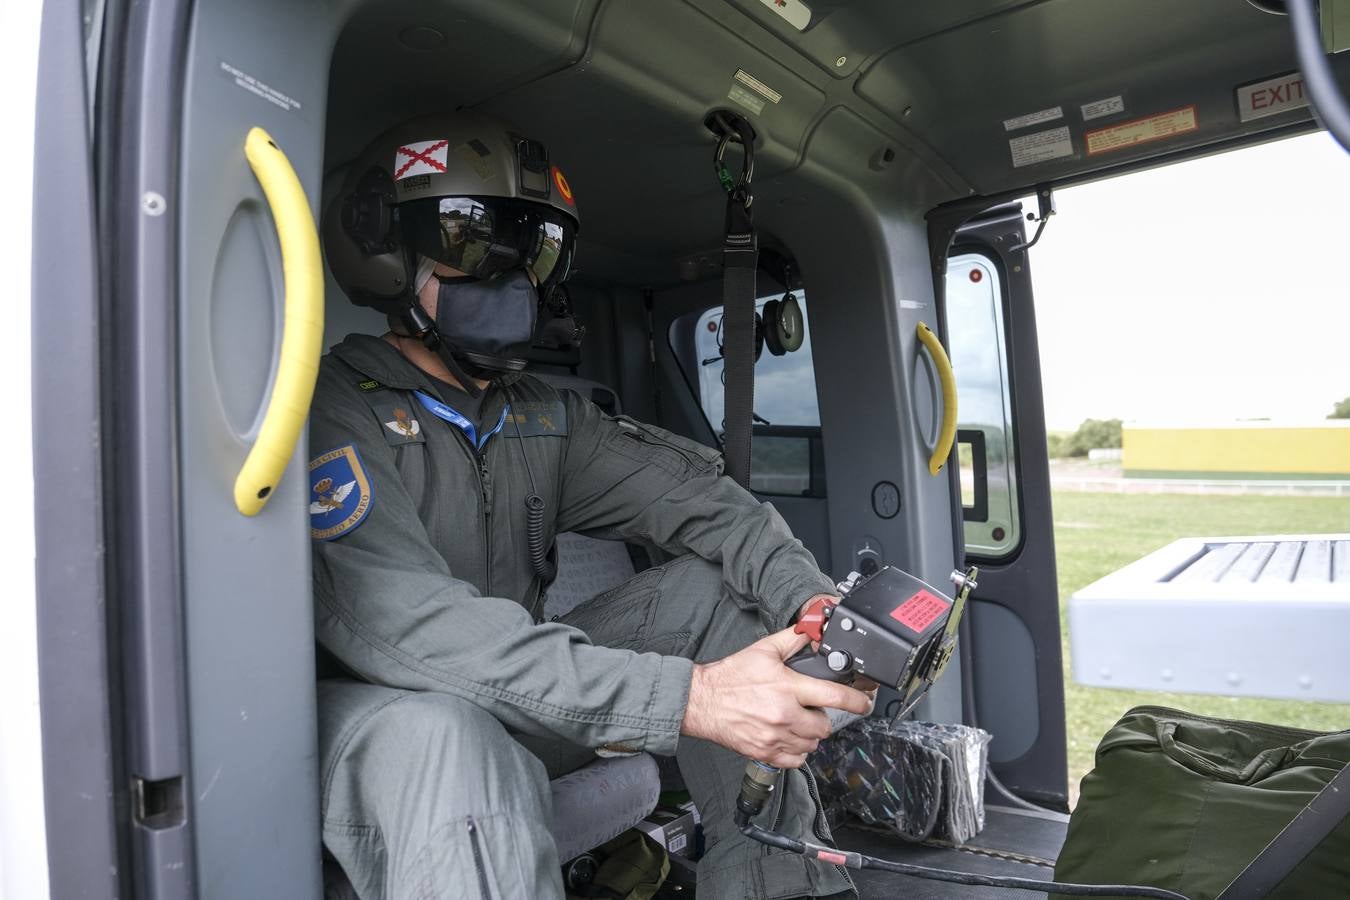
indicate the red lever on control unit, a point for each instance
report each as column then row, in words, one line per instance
column 812, row 620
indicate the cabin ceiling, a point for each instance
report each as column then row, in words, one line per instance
column 908, row 101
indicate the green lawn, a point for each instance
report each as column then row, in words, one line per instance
column 1095, row 534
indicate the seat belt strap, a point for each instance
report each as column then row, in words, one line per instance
column 740, row 257
column 1291, row 846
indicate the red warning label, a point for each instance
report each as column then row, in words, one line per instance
column 919, row 611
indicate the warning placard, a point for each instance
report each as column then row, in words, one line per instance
column 919, row 611
column 1040, row 147
column 1141, row 131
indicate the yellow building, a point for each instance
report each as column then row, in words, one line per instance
column 1315, row 450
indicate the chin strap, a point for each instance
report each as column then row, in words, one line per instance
column 421, row 326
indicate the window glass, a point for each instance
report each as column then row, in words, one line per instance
column 984, row 437
column 787, row 458
column 785, row 386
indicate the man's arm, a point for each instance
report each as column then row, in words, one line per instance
column 626, row 480
column 387, row 605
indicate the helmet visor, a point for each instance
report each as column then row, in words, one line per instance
column 486, row 236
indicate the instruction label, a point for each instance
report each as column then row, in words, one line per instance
column 1036, row 118
column 750, row 92
column 259, row 88
column 1274, row 95
column 1042, row 146
column 1100, row 108
column 797, row 13
column 1141, row 131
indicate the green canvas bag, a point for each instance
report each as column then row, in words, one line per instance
column 633, row 867
column 1184, row 802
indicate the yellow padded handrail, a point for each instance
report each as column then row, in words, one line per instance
column 302, row 328
column 947, row 380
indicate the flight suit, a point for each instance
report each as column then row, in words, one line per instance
column 459, row 702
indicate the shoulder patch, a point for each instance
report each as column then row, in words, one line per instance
column 339, row 493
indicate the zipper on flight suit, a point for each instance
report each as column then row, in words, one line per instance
column 485, row 485
column 483, row 887
column 485, row 491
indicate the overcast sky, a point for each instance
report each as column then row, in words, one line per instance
column 1205, row 291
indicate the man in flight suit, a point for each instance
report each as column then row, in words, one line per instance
column 442, row 474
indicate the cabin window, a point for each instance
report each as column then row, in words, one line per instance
column 787, row 457
column 984, row 436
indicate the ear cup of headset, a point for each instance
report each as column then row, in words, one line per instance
column 787, row 327
column 362, row 246
column 771, row 333
column 759, row 336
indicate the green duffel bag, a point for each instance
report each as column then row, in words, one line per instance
column 1184, row 802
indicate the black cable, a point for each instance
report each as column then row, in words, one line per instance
column 1323, row 91
column 855, row 860
column 534, row 509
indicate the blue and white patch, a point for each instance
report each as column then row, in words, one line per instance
column 339, row 493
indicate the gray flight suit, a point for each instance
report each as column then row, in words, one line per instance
column 460, row 703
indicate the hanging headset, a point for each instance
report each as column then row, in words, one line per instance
column 784, row 327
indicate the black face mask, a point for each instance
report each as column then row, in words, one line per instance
column 488, row 323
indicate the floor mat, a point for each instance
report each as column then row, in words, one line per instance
column 1014, row 842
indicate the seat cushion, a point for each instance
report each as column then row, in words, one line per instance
column 602, row 800
column 587, row 567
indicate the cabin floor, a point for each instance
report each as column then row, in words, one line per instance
column 1014, row 842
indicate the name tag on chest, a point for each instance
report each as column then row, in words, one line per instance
column 536, row 418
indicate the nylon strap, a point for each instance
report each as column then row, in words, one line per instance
column 740, row 256
column 1291, row 846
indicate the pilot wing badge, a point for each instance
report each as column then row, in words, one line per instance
column 339, row 493
column 403, row 424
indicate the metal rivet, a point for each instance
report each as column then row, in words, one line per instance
column 1017, row 268
column 839, row 63
column 153, row 204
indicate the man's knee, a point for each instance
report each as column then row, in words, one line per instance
column 442, row 749
column 721, row 621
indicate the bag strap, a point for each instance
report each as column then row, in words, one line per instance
column 1300, row 837
column 740, row 256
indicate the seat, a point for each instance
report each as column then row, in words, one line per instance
column 606, row 797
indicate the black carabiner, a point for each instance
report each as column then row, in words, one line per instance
column 730, row 128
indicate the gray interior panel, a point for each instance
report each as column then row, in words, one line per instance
column 1003, row 645
column 249, row 632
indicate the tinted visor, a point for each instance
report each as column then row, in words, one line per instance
column 486, row 236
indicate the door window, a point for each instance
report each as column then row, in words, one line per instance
column 984, row 436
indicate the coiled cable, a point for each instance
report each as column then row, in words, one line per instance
column 535, row 507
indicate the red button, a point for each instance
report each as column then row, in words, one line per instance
column 812, row 622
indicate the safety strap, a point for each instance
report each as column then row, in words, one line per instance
column 740, row 255
column 1328, row 809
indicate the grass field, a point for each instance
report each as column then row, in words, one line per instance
column 1095, row 534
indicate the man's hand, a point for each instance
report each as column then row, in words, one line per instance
column 751, row 703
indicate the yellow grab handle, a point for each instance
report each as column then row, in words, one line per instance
column 947, row 436
column 302, row 328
